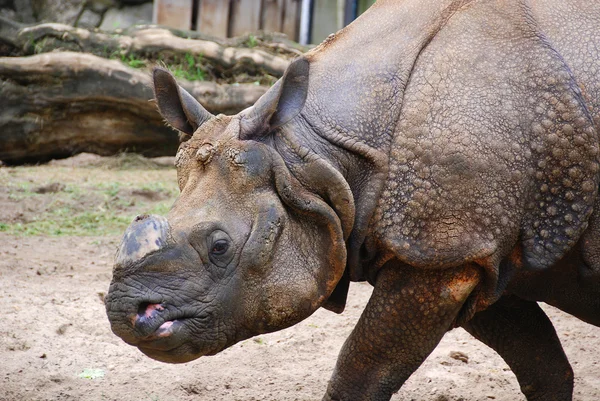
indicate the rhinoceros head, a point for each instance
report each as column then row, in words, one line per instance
column 246, row 248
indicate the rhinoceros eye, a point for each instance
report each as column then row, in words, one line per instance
column 219, row 247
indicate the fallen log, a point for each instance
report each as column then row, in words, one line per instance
column 55, row 105
column 255, row 55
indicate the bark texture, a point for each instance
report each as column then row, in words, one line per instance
column 55, row 105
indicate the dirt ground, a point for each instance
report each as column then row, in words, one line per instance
column 56, row 344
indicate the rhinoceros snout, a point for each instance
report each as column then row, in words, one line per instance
column 145, row 235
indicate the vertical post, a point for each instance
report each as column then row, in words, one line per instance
column 245, row 17
column 350, row 11
column 363, row 5
column 341, row 4
column 213, row 17
column 291, row 19
column 173, row 13
column 271, row 19
column 305, row 21
column 324, row 19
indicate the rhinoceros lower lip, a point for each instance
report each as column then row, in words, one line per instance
column 165, row 338
column 166, row 329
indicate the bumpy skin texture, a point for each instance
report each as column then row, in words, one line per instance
column 444, row 150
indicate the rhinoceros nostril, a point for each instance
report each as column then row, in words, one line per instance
column 147, row 310
column 141, row 217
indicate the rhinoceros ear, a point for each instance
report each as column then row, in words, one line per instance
column 279, row 104
column 176, row 105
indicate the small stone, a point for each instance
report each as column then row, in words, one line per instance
column 50, row 188
column 100, row 6
column 62, row 329
column 459, row 356
column 89, row 19
column 8, row 13
column 64, row 12
column 127, row 16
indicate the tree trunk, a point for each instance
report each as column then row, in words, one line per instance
column 55, row 105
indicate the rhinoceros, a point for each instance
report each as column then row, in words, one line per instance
column 445, row 151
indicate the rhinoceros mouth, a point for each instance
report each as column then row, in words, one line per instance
column 168, row 328
column 160, row 326
column 166, row 339
column 167, row 336
column 173, row 342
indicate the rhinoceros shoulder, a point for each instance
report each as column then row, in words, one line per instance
column 494, row 147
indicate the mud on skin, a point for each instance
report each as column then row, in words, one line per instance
column 444, row 151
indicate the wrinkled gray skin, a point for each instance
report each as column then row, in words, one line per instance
column 445, row 151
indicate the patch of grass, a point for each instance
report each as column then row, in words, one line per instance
column 159, row 186
column 40, row 46
column 190, row 68
column 108, row 218
column 129, row 161
column 251, row 41
column 90, row 373
column 20, row 191
column 35, row 46
column 29, row 42
column 161, row 208
column 18, row 196
column 74, row 191
column 110, row 188
column 133, row 61
column 91, row 201
column 64, row 222
column 24, row 186
column 129, row 59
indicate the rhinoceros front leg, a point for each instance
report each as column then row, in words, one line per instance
column 524, row 337
column 406, row 317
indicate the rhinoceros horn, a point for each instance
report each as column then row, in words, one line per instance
column 176, row 105
column 279, row 104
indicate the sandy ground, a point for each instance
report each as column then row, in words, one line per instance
column 56, row 344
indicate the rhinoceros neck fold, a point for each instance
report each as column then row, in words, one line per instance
column 347, row 175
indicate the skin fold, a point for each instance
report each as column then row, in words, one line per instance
column 445, row 151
